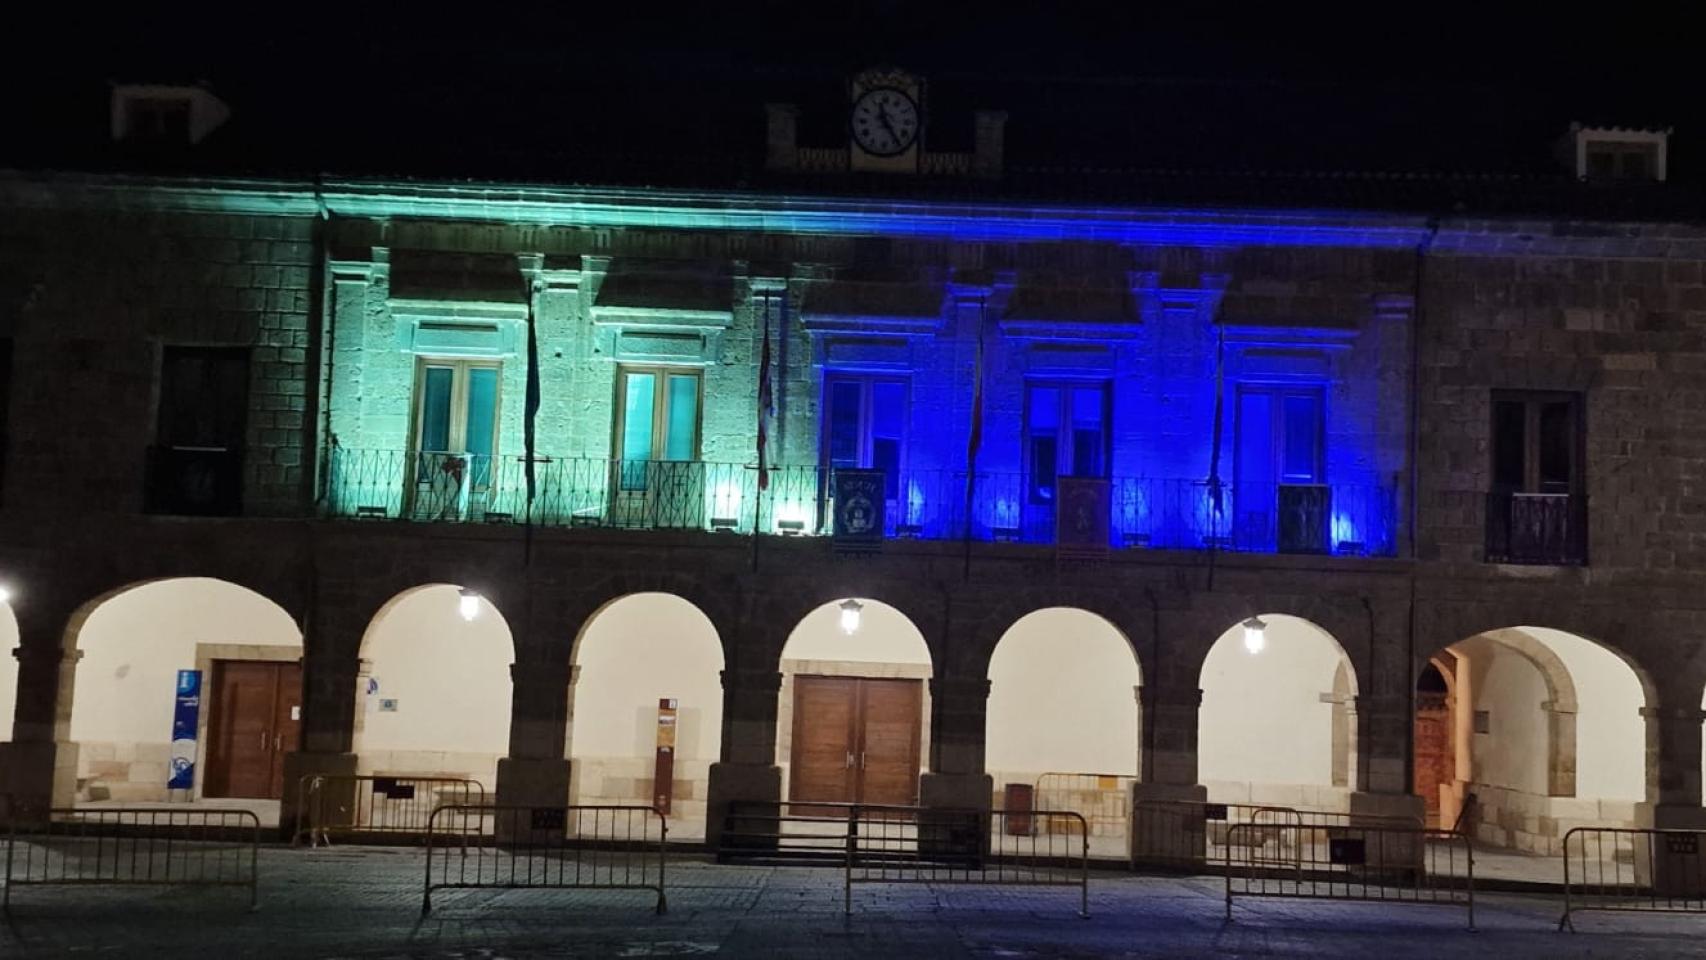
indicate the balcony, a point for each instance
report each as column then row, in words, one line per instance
column 194, row 481
column 1547, row 529
column 1177, row 514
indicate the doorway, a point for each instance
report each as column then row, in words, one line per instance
column 856, row 740
column 1435, row 758
column 254, row 718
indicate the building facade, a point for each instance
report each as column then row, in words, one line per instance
column 434, row 478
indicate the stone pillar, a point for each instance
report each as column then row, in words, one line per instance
column 1673, row 770
column 334, row 681
column 958, row 708
column 1167, row 822
column 38, row 768
column 1384, row 759
column 747, row 770
column 536, row 772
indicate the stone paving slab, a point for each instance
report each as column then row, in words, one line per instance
column 364, row 904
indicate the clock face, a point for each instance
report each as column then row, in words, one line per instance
column 885, row 121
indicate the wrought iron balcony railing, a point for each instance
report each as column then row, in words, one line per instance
column 1548, row 529
column 799, row 500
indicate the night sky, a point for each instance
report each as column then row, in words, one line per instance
column 1400, row 87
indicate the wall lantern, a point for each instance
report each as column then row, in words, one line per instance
column 850, row 614
column 468, row 604
column 1255, row 634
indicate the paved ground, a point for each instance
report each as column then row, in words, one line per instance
column 362, row 903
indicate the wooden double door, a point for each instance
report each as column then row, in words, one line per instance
column 856, row 740
column 254, row 719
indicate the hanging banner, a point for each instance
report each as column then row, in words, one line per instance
column 859, row 508
column 184, row 716
column 1081, row 519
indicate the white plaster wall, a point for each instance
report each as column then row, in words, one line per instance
column 1511, row 689
column 1062, row 698
column 135, row 643
column 450, row 678
column 1611, row 738
column 8, row 670
column 885, row 636
column 638, row 650
column 1262, row 718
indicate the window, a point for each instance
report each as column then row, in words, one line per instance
column 659, row 419
column 865, row 426
column 1612, row 160
column 1066, row 435
column 1280, row 435
column 1537, row 443
column 196, row 463
column 158, row 119
column 456, row 422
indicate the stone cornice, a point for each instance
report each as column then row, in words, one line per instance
column 816, row 215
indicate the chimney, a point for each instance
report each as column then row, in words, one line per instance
column 989, row 137
column 782, row 135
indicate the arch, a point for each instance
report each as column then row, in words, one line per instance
column 1062, row 698
column 634, row 652
column 436, row 701
column 9, row 641
column 1133, row 622
column 887, row 653
column 716, row 601
column 1278, row 726
column 1552, row 728
column 129, row 645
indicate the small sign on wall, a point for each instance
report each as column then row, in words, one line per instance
column 663, row 769
column 388, row 705
column 185, row 714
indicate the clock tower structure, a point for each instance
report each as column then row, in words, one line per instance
column 885, row 121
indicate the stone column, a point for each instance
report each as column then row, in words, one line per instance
column 38, row 768
column 958, row 708
column 1384, row 757
column 1673, row 793
column 536, row 772
column 747, row 770
column 1167, row 817
column 334, row 681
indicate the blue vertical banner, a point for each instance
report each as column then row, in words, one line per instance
column 184, row 716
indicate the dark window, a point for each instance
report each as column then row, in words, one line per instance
column 865, row 426
column 1536, row 509
column 1611, row 160
column 196, row 464
column 158, row 120
column 1537, row 443
column 1279, row 498
column 1066, row 435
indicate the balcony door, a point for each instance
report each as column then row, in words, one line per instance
column 658, row 480
column 1280, row 498
column 864, row 428
column 1536, row 510
column 1066, row 435
column 456, row 431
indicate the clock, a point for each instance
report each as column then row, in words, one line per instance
column 885, row 121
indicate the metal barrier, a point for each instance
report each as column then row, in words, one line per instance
column 1100, row 797
column 135, row 846
column 1383, row 864
column 335, row 804
column 1197, row 835
column 772, row 830
column 574, row 847
column 1625, row 869
column 926, row 845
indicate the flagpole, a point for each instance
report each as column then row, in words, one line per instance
column 530, row 416
column 764, row 401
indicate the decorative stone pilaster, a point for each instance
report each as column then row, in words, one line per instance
column 1560, row 750
column 536, row 773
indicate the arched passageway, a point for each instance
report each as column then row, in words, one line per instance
column 852, row 722
column 647, row 699
column 184, row 688
column 1547, row 734
column 437, row 691
column 1278, row 723
column 1063, row 720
